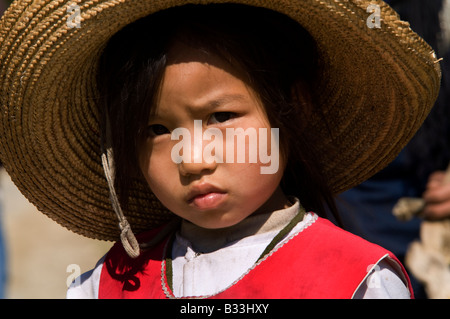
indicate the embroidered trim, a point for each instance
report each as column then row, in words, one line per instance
column 169, row 294
column 286, row 230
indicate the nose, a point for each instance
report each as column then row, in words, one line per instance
column 187, row 169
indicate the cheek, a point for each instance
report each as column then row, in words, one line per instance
column 254, row 187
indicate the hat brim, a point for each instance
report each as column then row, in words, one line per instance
column 376, row 88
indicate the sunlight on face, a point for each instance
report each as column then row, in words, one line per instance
column 199, row 88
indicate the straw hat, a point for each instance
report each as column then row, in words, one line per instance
column 377, row 86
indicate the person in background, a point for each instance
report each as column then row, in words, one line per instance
column 211, row 228
column 366, row 210
column 3, row 269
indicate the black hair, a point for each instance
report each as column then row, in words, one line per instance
column 275, row 54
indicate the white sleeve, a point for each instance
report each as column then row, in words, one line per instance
column 86, row 285
column 385, row 281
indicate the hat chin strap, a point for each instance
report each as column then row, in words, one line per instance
column 129, row 241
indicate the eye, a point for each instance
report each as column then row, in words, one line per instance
column 220, row 117
column 156, row 130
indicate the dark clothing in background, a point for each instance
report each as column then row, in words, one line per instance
column 366, row 210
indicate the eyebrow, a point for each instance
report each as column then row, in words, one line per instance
column 224, row 99
column 216, row 103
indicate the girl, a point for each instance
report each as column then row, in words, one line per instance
column 206, row 71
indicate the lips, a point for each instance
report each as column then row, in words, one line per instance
column 205, row 196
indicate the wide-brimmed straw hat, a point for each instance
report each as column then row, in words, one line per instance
column 378, row 84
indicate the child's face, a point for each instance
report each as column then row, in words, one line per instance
column 202, row 87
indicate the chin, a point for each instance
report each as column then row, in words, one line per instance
column 218, row 223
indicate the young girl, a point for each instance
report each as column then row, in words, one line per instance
column 175, row 92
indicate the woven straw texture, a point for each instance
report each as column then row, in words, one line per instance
column 377, row 86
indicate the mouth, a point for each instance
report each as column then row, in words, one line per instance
column 205, row 196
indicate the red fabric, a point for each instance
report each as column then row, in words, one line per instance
column 322, row 261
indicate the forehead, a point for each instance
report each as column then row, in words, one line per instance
column 198, row 79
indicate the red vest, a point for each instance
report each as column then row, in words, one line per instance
column 322, row 261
